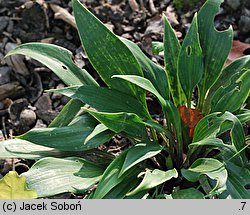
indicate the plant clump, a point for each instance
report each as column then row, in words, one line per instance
column 197, row 152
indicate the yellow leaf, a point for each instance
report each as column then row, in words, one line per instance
column 13, row 186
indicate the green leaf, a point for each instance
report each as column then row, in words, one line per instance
column 215, row 45
column 158, row 127
column 121, row 189
column 16, row 148
column 238, row 178
column 98, row 135
column 211, row 124
column 217, row 123
column 51, row 176
column 70, row 138
column 189, row 193
column 153, row 72
column 122, row 122
column 190, row 61
column 105, row 99
column 153, row 179
column 143, row 83
column 244, row 116
column 13, row 186
column 142, row 195
column 106, row 52
column 236, row 67
column 139, row 153
column 173, row 117
column 67, row 114
column 157, row 47
column 171, row 53
column 226, row 151
column 58, row 59
column 210, row 167
column 111, row 179
column 232, row 97
column 169, row 109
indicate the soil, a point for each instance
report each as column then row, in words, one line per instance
column 23, row 102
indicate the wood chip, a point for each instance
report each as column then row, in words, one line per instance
column 16, row 61
column 152, row 7
column 171, row 15
column 48, row 40
column 63, row 14
column 10, row 90
column 134, row 5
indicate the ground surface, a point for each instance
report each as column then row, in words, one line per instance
column 23, row 102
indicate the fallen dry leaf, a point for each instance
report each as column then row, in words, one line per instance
column 13, row 186
column 171, row 15
column 237, row 51
column 190, row 117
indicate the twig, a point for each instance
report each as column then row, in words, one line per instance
column 63, row 14
column 134, row 5
column 152, row 7
column 142, row 5
column 44, row 6
column 9, row 36
column 5, row 136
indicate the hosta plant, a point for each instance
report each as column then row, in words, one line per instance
column 197, row 152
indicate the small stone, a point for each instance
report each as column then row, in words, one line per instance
column 69, row 36
column 10, row 27
column 1, row 55
column 247, row 40
column 47, row 116
column 127, row 36
column 57, row 30
column 16, row 108
column 44, row 108
column 56, row 96
column 137, row 36
column 1, row 107
column 44, row 103
column 59, row 108
column 55, row 77
column 79, row 61
column 247, row 4
column 115, row 1
column 234, row 4
column 128, row 28
column 166, row 1
column 79, row 58
column 51, row 84
column 28, row 117
column 1, row 135
column 56, row 104
column 5, row 72
column 244, row 24
column 6, row 165
column 4, row 21
column 110, row 26
column 40, row 124
column 246, row 12
column 64, row 100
